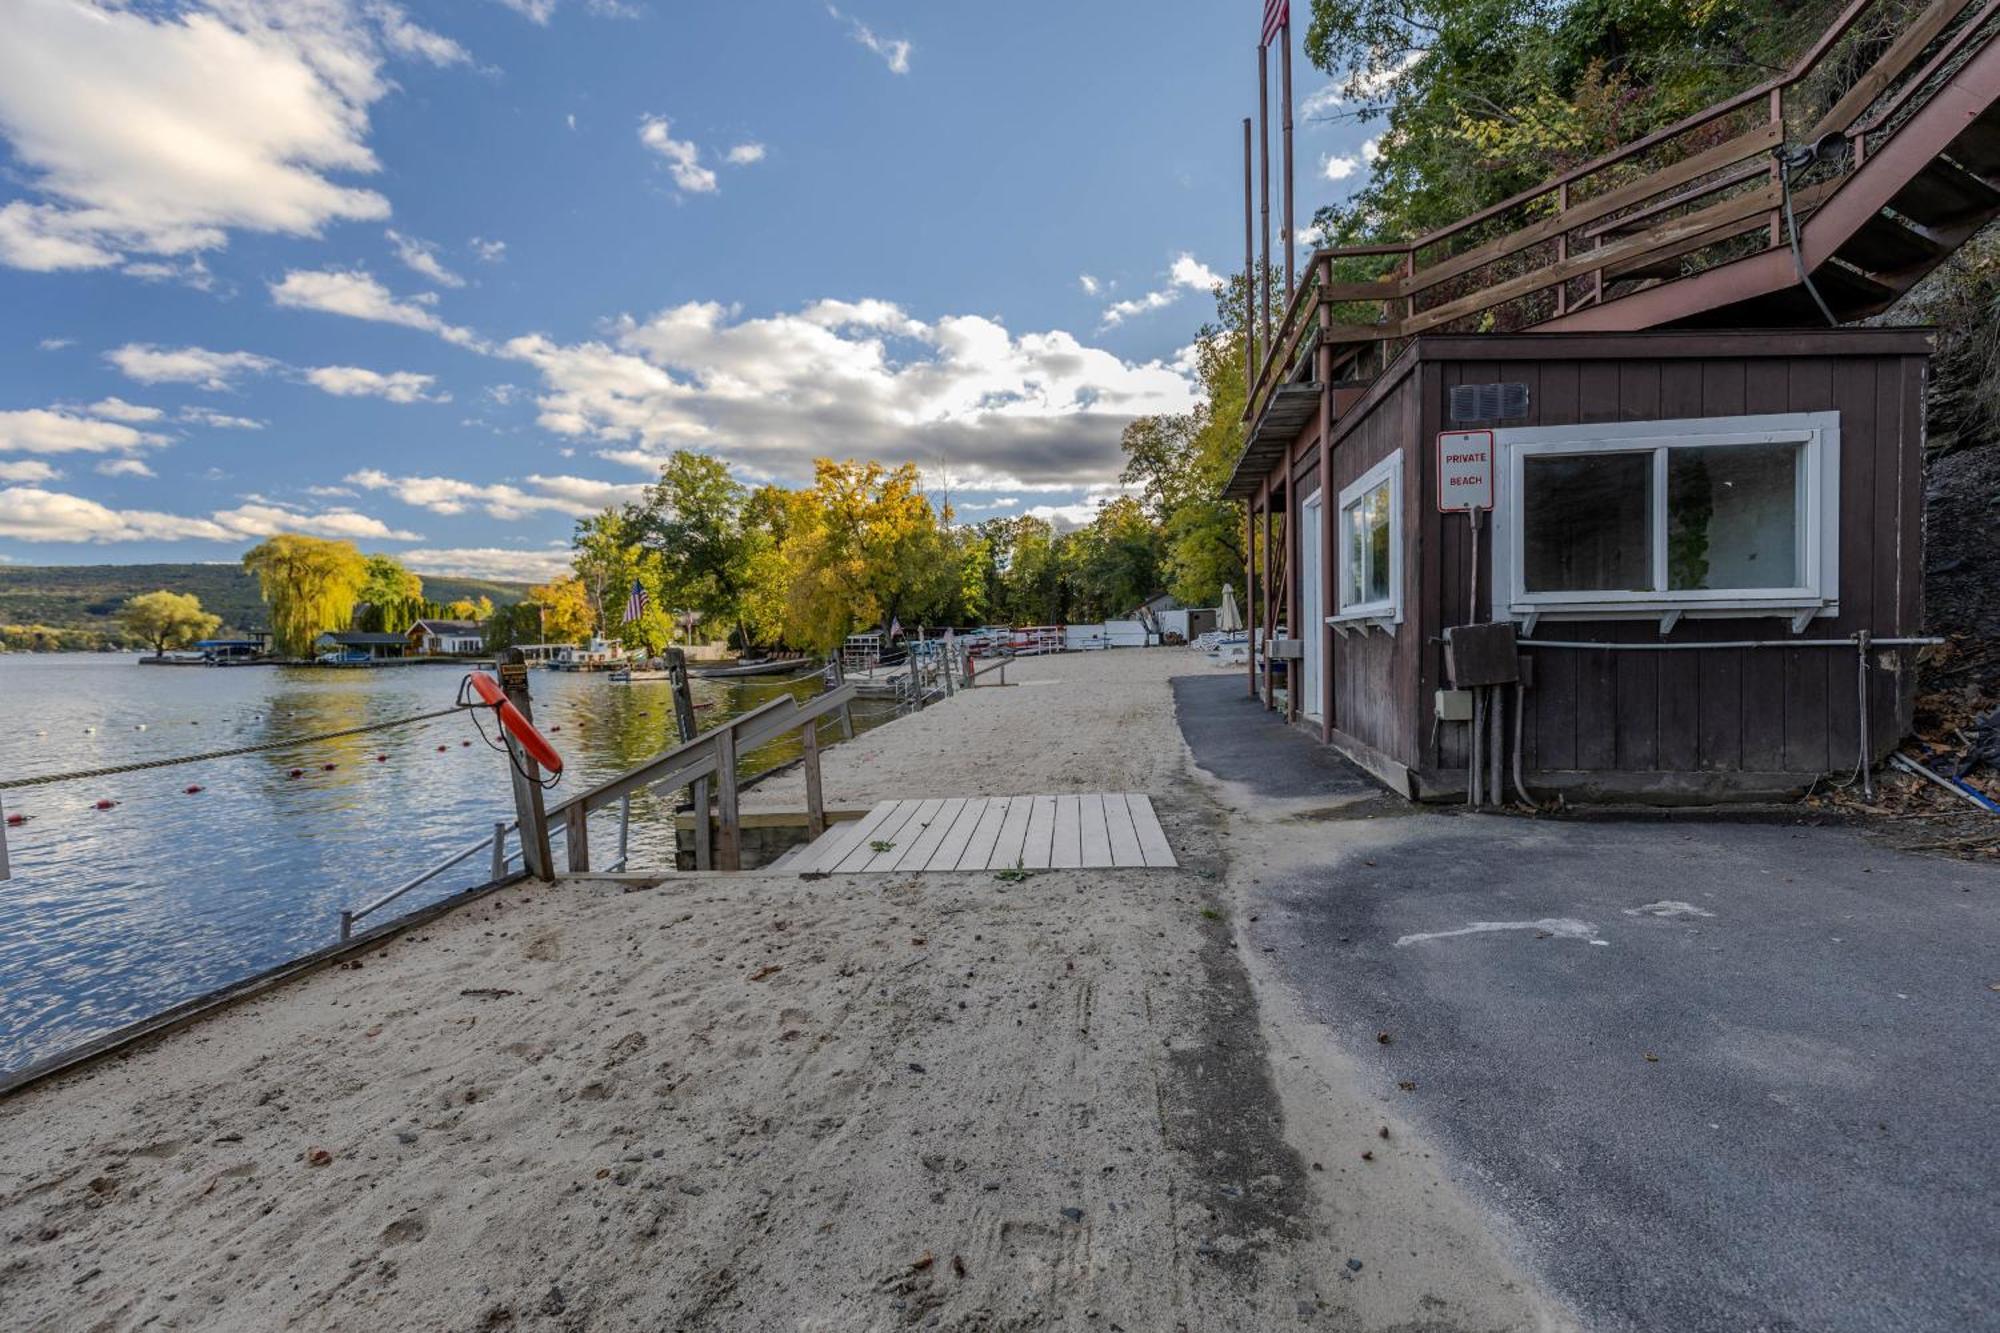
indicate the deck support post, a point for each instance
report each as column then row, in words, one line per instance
column 576, row 839
column 730, row 849
column 815, row 799
column 677, row 679
column 6, row 872
column 499, row 865
column 529, row 812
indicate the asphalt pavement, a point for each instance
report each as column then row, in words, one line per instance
column 1718, row 1076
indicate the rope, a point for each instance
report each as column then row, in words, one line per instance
column 142, row 765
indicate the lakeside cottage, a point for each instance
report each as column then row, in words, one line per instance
column 447, row 638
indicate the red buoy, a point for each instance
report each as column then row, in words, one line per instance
column 298, row 772
column 442, row 749
column 106, row 803
column 381, row 758
column 516, row 724
column 328, row 768
column 192, row 790
column 15, row 821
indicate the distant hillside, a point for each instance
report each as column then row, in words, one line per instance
column 88, row 596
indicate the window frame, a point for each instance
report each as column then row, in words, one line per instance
column 1385, row 613
column 1816, row 501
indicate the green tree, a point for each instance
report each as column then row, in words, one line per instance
column 562, row 611
column 606, row 549
column 392, row 597
column 167, row 620
column 1115, row 561
column 692, row 520
column 310, row 585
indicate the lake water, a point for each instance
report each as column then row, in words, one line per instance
column 113, row 915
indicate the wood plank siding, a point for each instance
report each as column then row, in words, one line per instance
column 1717, row 722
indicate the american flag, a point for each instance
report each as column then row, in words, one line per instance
column 635, row 605
column 1277, row 16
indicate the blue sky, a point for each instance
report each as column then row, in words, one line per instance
column 443, row 277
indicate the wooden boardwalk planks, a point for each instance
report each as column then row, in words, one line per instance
column 1094, row 831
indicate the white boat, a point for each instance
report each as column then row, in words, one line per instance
column 600, row 655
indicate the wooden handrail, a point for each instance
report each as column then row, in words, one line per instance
column 713, row 753
column 1728, row 166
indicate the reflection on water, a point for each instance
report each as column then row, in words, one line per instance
column 116, row 914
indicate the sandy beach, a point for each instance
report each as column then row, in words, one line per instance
column 761, row 1102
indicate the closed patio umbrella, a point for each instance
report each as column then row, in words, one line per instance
column 1229, row 620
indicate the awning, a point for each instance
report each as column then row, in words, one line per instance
column 1290, row 408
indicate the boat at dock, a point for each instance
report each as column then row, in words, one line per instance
column 599, row 655
column 768, row 667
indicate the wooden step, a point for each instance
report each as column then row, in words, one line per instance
column 1886, row 244
column 1944, row 193
column 1852, row 293
column 1978, row 144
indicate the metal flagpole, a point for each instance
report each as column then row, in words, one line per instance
column 1285, row 91
column 1249, row 271
column 1264, row 185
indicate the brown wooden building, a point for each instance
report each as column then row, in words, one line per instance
column 1653, row 493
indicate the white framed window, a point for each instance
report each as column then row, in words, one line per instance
column 1369, row 549
column 1712, row 516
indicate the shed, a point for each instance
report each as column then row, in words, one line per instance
column 1705, row 543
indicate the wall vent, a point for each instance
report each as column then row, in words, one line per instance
column 1488, row 402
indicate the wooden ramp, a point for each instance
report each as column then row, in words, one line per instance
column 1099, row 831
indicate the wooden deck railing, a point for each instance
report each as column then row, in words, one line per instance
column 1692, row 195
column 712, row 755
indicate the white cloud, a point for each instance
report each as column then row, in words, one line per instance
column 744, row 154
column 895, row 52
column 356, row 294
column 203, row 416
column 117, row 409
column 421, row 257
column 55, row 344
column 1338, row 167
column 123, row 467
column 488, row 252
column 31, row 514
column 488, row 562
column 405, row 38
column 185, row 365
column 682, row 157
column 156, row 130
column 575, row 496
column 58, row 431
column 268, row 518
column 1076, row 514
column 1185, row 274
column 28, row 469
column 1091, row 286
column 1359, row 86
column 846, row 379
column 398, row 386
column 1371, row 149
column 535, row 11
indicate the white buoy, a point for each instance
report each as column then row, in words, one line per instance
column 90, row 731
column 140, row 727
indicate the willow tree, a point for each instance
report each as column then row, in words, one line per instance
column 167, row 620
column 311, row 586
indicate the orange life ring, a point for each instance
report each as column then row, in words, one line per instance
column 517, row 726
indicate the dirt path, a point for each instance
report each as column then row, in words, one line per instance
column 760, row 1102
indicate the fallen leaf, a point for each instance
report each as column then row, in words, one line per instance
column 769, row 969
column 319, row 1157
column 924, row 1260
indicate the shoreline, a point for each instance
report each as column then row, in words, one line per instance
column 752, row 1100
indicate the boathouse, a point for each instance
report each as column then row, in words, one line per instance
column 1604, row 491
column 359, row 649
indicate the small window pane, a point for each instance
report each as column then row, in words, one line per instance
column 1588, row 522
column 1365, row 580
column 1732, row 516
column 1376, row 502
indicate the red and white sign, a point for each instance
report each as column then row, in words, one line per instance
column 1465, row 470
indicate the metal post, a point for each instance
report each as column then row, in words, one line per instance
column 1867, row 741
column 6, row 870
column 1285, row 91
column 1264, row 187
column 346, row 926
column 1250, row 589
column 529, row 811
column 499, row 866
column 624, row 830
column 1249, row 272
